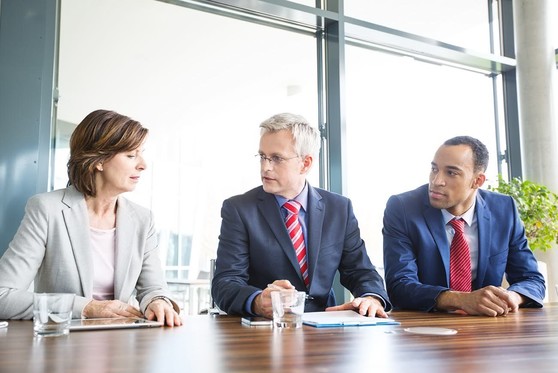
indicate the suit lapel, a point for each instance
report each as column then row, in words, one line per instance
column 435, row 222
column 315, row 214
column 483, row 221
column 77, row 224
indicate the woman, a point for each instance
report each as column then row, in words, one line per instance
column 87, row 239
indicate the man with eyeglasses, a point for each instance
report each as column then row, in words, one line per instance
column 288, row 234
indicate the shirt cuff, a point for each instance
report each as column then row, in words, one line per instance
column 375, row 296
column 249, row 301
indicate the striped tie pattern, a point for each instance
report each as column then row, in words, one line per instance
column 297, row 237
column 460, row 260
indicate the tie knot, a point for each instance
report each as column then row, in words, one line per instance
column 292, row 206
column 458, row 224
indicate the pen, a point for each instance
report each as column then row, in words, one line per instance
column 275, row 287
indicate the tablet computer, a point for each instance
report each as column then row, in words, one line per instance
column 112, row 323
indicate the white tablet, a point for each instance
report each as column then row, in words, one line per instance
column 112, row 323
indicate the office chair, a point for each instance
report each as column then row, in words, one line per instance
column 213, row 309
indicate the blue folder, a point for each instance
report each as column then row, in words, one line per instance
column 332, row 319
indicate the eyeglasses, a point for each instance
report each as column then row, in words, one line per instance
column 274, row 159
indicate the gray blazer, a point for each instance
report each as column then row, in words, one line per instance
column 52, row 249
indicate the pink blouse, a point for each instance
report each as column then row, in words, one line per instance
column 103, row 246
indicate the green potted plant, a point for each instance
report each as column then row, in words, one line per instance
column 538, row 208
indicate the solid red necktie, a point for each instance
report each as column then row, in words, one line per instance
column 297, row 237
column 460, row 259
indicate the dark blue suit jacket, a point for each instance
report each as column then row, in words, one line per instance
column 416, row 250
column 255, row 249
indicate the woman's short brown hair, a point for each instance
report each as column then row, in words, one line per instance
column 99, row 137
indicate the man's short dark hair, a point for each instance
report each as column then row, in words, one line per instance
column 480, row 152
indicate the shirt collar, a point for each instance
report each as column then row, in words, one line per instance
column 302, row 198
column 467, row 216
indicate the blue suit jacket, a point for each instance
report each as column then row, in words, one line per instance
column 416, row 250
column 255, row 249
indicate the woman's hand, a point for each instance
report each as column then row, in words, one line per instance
column 162, row 311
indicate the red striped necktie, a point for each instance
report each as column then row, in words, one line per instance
column 297, row 237
column 460, row 259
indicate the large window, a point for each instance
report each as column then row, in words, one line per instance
column 459, row 22
column 398, row 112
column 202, row 82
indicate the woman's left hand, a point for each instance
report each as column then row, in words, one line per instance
column 160, row 310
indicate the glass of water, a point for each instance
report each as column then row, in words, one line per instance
column 52, row 314
column 288, row 307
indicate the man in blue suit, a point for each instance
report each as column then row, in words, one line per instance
column 417, row 237
column 255, row 253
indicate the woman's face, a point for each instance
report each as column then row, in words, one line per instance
column 121, row 173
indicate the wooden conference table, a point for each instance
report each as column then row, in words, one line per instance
column 526, row 341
